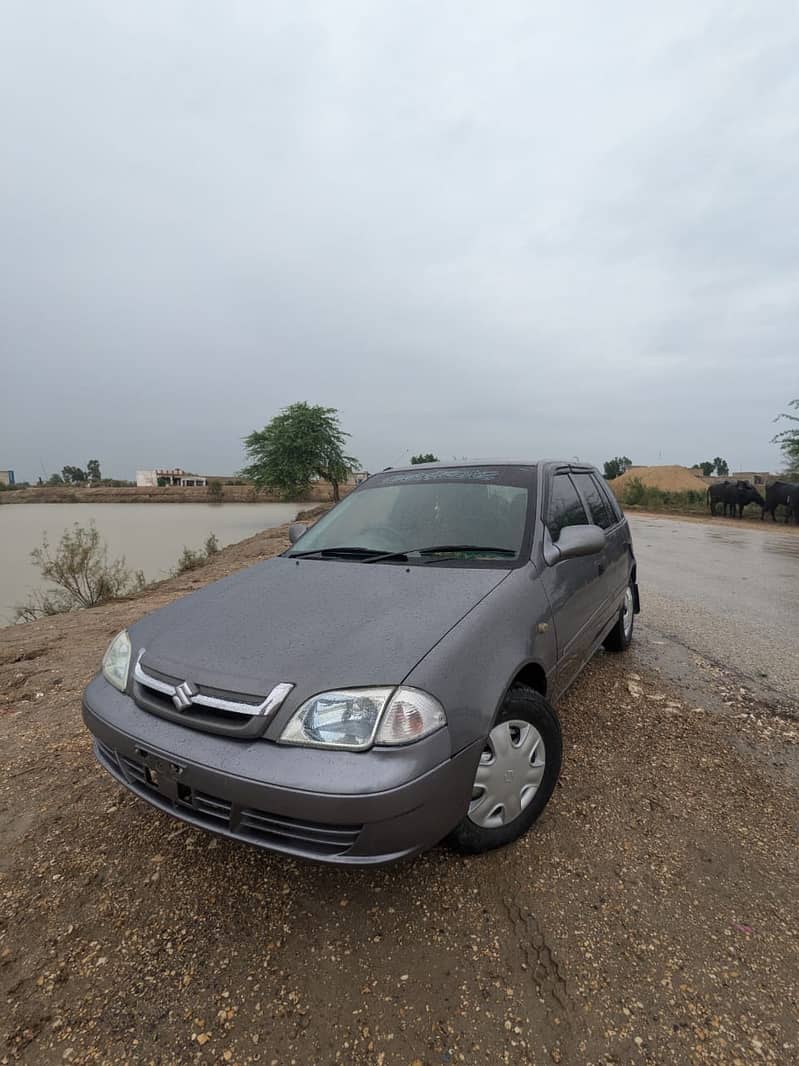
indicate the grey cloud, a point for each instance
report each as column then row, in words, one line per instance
column 471, row 229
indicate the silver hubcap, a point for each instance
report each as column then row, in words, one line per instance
column 510, row 772
column 627, row 612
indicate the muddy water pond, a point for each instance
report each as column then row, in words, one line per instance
column 150, row 536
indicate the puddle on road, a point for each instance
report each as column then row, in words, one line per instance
column 727, row 536
column 783, row 545
column 779, row 545
column 696, row 534
column 742, row 538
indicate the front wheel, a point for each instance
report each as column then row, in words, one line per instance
column 618, row 639
column 518, row 769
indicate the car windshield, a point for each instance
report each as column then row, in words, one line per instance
column 437, row 514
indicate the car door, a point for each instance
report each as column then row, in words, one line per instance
column 619, row 538
column 571, row 584
column 612, row 563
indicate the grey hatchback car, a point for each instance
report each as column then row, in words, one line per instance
column 386, row 683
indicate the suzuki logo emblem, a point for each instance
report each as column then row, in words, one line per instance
column 184, row 695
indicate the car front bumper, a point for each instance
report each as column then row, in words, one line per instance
column 340, row 807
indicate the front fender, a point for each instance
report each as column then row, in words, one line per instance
column 470, row 669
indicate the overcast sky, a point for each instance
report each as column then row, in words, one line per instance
column 557, row 229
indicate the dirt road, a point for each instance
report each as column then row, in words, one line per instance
column 652, row 916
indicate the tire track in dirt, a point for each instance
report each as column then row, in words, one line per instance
column 535, row 956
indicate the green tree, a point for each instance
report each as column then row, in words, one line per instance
column 215, row 490
column 93, row 470
column 617, row 466
column 299, row 444
column 788, row 441
column 73, row 475
column 721, row 466
column 55, row 479
column 425, row 457
column 706, row 467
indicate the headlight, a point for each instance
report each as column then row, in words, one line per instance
column 345, row 719
column 117, row 660
column 355, row 719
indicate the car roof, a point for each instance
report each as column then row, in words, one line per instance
column 575, row 464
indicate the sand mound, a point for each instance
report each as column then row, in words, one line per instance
column 666, row 478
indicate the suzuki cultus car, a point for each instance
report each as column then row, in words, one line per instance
column 389, row 681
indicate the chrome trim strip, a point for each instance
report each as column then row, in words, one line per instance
column 151, row 682
column 271, row 703
column 268, row 706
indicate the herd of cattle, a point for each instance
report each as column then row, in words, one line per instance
column 735, row 495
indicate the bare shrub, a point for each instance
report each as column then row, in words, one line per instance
column 192, row 559
column 82, row 573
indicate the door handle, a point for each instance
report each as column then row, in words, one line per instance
column 600, row 568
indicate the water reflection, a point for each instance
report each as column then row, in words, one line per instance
column 150, row 535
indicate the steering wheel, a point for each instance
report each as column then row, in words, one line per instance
column 395, row 540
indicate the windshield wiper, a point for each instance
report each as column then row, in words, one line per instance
column 343, row 551
column 440, row 549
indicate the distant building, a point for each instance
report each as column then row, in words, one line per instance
column 757, row 477
column 7, row 477
column 148, row 479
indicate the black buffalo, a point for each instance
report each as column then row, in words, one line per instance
column 785, row 493
column 734, row 496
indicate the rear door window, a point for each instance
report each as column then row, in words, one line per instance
column 601, row 514
column 565, row 506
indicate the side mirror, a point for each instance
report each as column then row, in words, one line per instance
column 296, row 530
column 575, row 541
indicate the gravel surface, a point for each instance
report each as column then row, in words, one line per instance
column 651, row 916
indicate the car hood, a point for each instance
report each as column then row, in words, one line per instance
column 319, row 624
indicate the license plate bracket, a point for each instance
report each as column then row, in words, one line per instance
column 161, row 774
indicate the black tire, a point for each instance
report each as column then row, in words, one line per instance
column 525, row 704
column 619, row 638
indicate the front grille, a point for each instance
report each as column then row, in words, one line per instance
column 107, row 757
column 325, row 839
column 277, row 832
column 215, row 721
column 134, row 771
column 206, row 707
column 245, row 700
column 212, row 807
